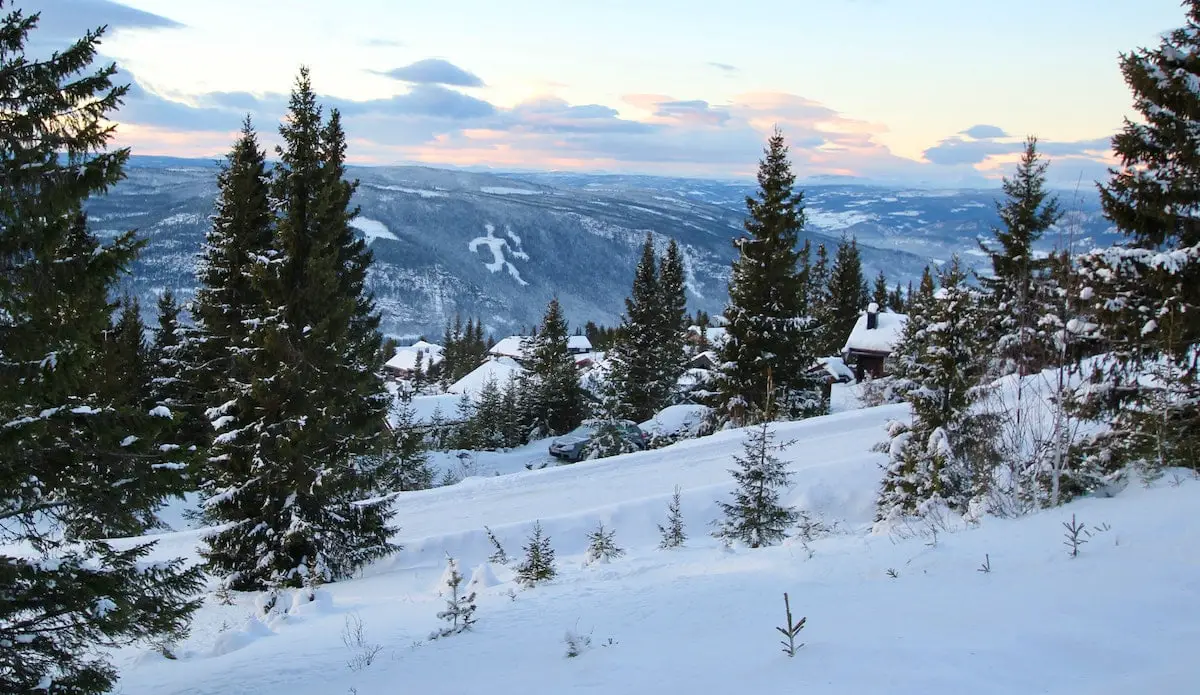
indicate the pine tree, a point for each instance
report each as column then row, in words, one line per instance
column 895, row 301
column 944, row 459
column 672, row 307
column 166, row 367
column 817, row 291
column 538, row 565
column 460, row 609
column 557, row 398
column 846, row 299
column 489, row 417
column 289, row 481
column 602, row 547
column 404, row 463
column 880, row 294
column 513, row 422
column 219, row 358
column 75, row 462
column 635, row 358
column 1145, row 293
column 756, row 516
column 1020, row 291
column 170, row 375
column 499, row 556
column 768, row 329
column 127, row 366
column 673, row 535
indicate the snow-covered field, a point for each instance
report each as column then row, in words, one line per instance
column 1123, row 616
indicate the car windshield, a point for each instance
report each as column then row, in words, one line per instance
column 582, row 431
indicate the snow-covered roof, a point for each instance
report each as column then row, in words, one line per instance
column 716, row 334
column 405, row 358
column 425, row 407
column 882, row 338
column 836, row 367
column 512, row 346
column 501, row 369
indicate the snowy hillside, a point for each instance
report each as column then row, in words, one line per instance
column 906, row 612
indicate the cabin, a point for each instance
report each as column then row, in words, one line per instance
column 708, row 359
column 872, row 340
column 403, row 364
column 517, row 346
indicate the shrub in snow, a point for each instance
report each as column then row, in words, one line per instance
column 576, row 643
column 1076, row 536
column 790, row 629
column 811, row 526
column 362, row 651
column 223, row 595
column 755, row 516
column 538, row 564
column 672, row 534
column 601, row 546
column 460, row 609
column 498, row 556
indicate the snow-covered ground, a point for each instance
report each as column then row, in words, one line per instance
column 1122, row 616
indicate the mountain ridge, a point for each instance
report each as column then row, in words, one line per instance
column 498, row 246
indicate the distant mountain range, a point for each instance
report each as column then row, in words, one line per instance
column 499, row 246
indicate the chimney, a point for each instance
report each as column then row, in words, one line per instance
column 872, row 316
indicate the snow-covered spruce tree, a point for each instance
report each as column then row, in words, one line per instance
column 912, row 343
column 292, row 465
column 488, row 420
column 220, row 360
column 768, row 327
column 673, row 535
column 945, row 458
column 1020, row 291
column 538, row 565
column 756, row 516
column 1023, row 309
column 74, row 462
column 895, row 302
column 846, row 299
column 673, row 325
column 403, row 464
column 635, row 370
column 602, row 546
column 513, row 423
column 170, row 378
column 880, row 294
column 1145, row 293
column 127, row 356
column 556, row 398
column 816, row 291
column 460, row 607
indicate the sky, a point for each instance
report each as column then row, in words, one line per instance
column 938, row 92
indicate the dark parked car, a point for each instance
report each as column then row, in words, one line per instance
column 572, row 446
